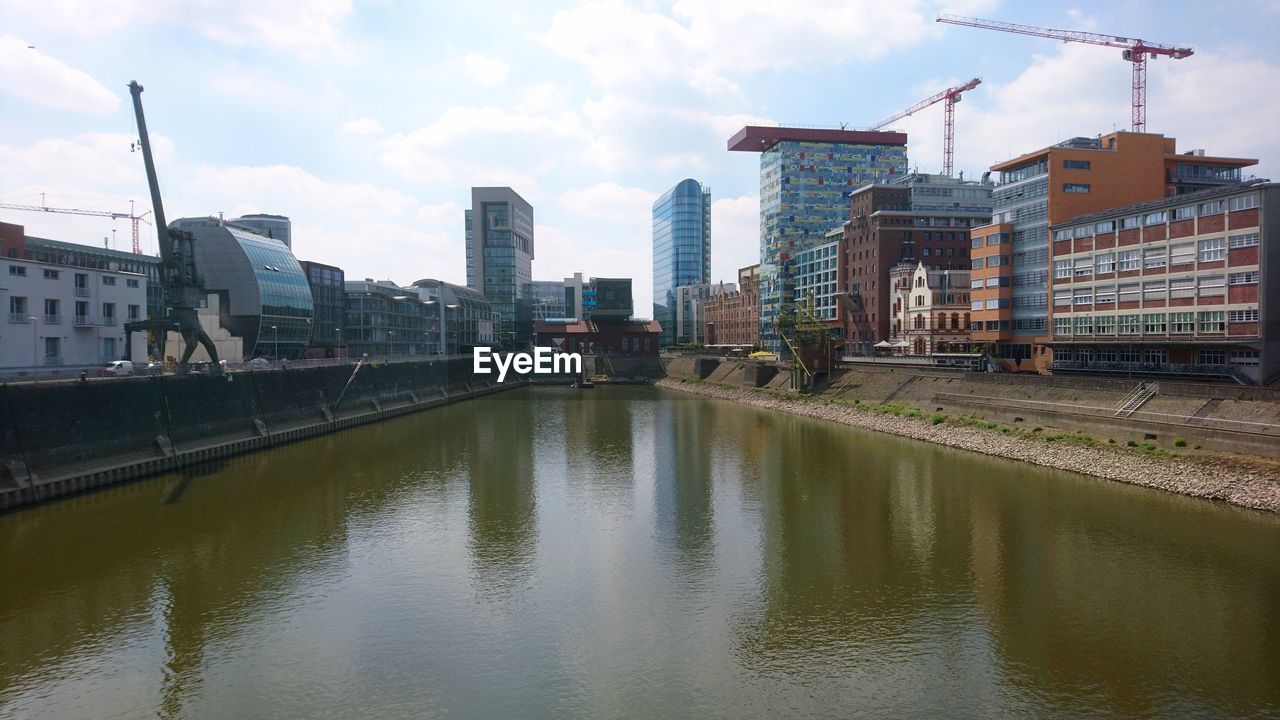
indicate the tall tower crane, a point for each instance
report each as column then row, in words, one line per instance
column 951, row 96
column 137, row 248
column 1135, row 51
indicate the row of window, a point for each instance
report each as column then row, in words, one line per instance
column 1153, row 290
column 1155, row 356
column 19, row 309
column 1177, row 323
column 81, row 278
column 1159, row 217
column 1186, row 253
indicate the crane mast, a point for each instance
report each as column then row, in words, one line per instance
column 950, row 96
column 1135, row 51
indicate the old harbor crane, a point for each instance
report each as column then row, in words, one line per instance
column 950, row 96
column 1135, row 52
column 184, row 291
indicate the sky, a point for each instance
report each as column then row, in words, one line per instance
column 368, row 122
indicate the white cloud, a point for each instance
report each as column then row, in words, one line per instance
column 486, row 69
column 362, row 126
column 610, row 202
column 33, row 76
column 559, row 255
column 735, row 236
column 291, row 191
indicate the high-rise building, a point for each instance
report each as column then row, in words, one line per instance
column 917, row 217
column 806, row 176
column 277, row 227
column 681, row 249
column 499, row 236
column 1048, row 187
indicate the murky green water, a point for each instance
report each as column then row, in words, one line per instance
column 628, row 552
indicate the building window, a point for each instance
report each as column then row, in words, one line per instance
column 131, row 282
column 1155, row 218
column 1211, row 285
column 1129, row 292
column 1213, row 321
column 1083, row 266
column 1105, row 227
column 1182, row 254
column 108, row 280
column 1075, row 164
column 1130, row 260
column 17, row 308
column 1244, row 278
column 1244, row 202
column 1130, row 222
column 52, row 349
column 1153, row 324
column 1061, row 269
column 1059, row 235
column 1211, row 208
column 1242, row 316
column 1105, row 325
column 1154, row 258
column 1153, row 291
column 1083, row 296
column 1243, row 241
column 18, row 270
column 1184, row 213
column 1104, row 294
column 50, row 274
column 1128, row 324
column 1245, row 358
column 1062, row 326
column 1156, row 357
column 1213, row 357
column 1106, row 263
column 135, row 312
column 1061, row 296
column 1212, row 249
column 1182, row 288
column 1082, row 325
column 1075, row 188
column 1182, row 322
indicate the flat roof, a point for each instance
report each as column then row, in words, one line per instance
column 758, row 138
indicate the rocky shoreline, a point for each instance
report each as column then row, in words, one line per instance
column 1250, row 488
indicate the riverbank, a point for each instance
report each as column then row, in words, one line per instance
column 1249, row 487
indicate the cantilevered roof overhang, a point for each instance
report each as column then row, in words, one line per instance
column 756, row 138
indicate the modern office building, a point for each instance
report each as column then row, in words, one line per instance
column 468, row 319
column 733, row 317
column 816, row 273
column 574, row 288
column 500, row 250
column 681, row 249
column 264, row 296
column 1048, row 187
column 276, row 227
column 329, row 299
column 917, row 217
column 806, row 176
column 385, row 320
column 61, row 316
column 930, row 310
column 608, row 299
column 1187, row 285
column 548, row 299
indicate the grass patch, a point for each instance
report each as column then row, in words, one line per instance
column 938, row 419
column 1179, row 442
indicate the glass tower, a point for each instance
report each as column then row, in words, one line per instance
column 499, row 237
column 681, row 249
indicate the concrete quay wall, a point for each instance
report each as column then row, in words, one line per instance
column 66, row 437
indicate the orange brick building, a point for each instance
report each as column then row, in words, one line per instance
column 1011, row 258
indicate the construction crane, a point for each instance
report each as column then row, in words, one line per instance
column 950, row 96
column 184, row 291
column 1135, row 51
column 137, row 249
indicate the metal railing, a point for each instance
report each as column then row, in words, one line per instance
column 82, row 291
column 52, row 319
column 19, row 318
column 82, row 321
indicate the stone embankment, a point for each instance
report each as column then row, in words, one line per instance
column 1239, row 485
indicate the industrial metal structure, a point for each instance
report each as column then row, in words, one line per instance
column 1135, row 52
column 951, row 96
column 183, row 287
column 137, row 248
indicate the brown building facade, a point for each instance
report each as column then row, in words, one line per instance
column 602, row 337
column 733, row 318
column 1048, row 187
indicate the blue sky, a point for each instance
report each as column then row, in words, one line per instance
column 367, row 122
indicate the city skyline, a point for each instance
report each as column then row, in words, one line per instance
column 589, row 111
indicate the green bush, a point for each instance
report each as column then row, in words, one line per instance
column 938, row 419
column 1132, row 443
column 1179, row 442
column 1037, row 429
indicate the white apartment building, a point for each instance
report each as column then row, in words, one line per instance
column 59, row 316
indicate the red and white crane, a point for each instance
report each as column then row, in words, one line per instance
column 1135, row 51
column 950, row 96
column 137, row 249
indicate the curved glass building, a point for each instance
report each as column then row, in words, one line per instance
column 681, row 249
column 265, row 298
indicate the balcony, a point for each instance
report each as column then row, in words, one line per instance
column 52, row 361
column 20, row 317
column 82, row 291
column 83, row 321
column 109, row 321
column 52, row 319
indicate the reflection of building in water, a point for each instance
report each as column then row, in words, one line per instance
column 598, row 437
column 682, row 490
column 501, row 515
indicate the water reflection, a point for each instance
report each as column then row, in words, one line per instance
column 683, row 512
column 501, row 513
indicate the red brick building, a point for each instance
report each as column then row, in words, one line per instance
column 1187, row 285
column 599, row 337
column 733, row 318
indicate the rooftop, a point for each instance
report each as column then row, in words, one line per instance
column 758, row 138
column 1188, row 198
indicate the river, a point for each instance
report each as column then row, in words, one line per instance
column 634, row 553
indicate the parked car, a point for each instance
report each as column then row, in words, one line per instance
column 153, row 368
column 118, row 368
